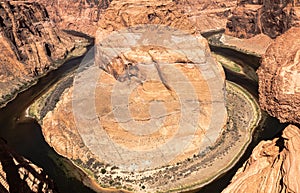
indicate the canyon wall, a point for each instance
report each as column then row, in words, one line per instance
column 269, row 17
column 83, row 16
column 77, row 15
column 30, row 44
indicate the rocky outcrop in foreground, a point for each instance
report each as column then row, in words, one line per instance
column 269, row 17
column 29, row 44
column 18, row 175
column 272, row 167
column 279, row 78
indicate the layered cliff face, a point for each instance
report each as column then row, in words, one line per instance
column 20, row 175
column 83, row 15
column 272, row 167
column 77, row 15
column 30, row 43
column 279, row 78
column 268, row 17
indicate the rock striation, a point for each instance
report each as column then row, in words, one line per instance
column 83, row 15
column 20, row 175
column 30, row 44
column 272, row 167
column 279, row 78
column 77, row 15
column 269, row 17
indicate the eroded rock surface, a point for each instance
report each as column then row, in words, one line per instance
column 269, row 17
column 20, row 175
column 272, row 167
column 207, row 15
column 140, row 52
column 77, row 15
column 30, row 43
column 279, row 78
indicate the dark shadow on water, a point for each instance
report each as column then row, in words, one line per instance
column 24, row 135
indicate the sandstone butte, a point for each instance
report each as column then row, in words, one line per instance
column 280, row 153
column 30, row 44
column 215, row 144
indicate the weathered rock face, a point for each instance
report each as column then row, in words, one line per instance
column 268, row 17
column 83, row 15
column 207, row 15
column 279, row 78
column 272, row 167
column 77, row 15
column 20, row 175
column 30, row 43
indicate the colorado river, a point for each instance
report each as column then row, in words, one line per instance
column 25, row 136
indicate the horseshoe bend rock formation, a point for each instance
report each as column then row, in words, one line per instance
column 272, row 167
column 153, row 117
column 20, row 175
column 279, row 78
column 270, row 17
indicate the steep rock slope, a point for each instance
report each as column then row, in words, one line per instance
column 272, row 167
column 279, row 78
column 30, row 43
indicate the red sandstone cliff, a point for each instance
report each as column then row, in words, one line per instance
column 77, row 15
column 30, row 43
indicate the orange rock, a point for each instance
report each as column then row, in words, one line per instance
column 279, row 78
column 272, row 168
column 30, row 43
